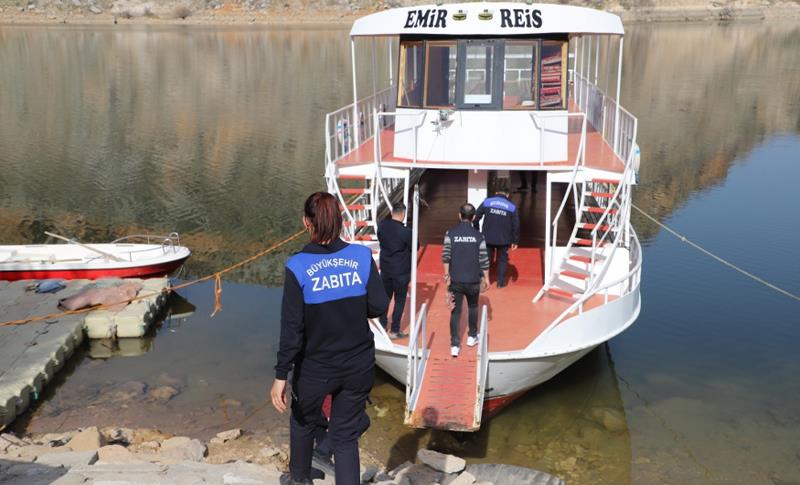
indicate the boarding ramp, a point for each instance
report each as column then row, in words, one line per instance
column 443, row 392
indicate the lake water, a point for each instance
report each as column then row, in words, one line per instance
column 217, row 133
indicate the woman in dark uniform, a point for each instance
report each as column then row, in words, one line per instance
column 330, row 290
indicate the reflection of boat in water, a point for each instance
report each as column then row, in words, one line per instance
column 120, row 258
column 177, row 310
column 505, row 87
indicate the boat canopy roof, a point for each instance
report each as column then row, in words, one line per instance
column 493, row 19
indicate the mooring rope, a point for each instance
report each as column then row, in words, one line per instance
column 718, row 258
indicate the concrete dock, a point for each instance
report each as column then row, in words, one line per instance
column 31, row 354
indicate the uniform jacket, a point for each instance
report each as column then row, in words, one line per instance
column 501, row 226
column 395, row 241
column 465, row 251
column 329, row 292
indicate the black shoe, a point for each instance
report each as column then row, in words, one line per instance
column 286, row 479
column 323, row 463
column 397, row 335
column 522, row 189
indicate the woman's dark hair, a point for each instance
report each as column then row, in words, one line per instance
column 322, row 211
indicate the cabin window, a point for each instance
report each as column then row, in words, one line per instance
column 519, row 74
column 440, row 89
column 553, row 84
column 481, row 83
column 410, row 84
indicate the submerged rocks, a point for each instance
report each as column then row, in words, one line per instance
column 162, row 393
column 611, row 419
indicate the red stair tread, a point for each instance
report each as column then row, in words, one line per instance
column 582, row 259
column 353, row 191
column 575, row 274
column 605, row 181
column 590, row 226
column 606, row 195
column 600, row 210
column 352, row 177
column 559, row 292
column 356, row 207
column 358, row 223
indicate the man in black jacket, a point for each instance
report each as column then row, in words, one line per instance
column 500, row 228
column 395, row 257
column 466, row 270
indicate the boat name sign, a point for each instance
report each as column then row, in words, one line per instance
column 509, row 18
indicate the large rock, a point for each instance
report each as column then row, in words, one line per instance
column 116, row 454
column 118, row 436
column 440, row 461
column 611, row 419
column 8, row 440
column 182, row 448
column 87, row 439
column 465, row 478
column 517, row 475
column 144, row 435
column 68, row 459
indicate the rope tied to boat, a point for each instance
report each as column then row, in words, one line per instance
column 708, row 253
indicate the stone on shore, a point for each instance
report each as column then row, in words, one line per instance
column 225, row 436
column 440, row 461
column 465, row 478
column 182, row 448
column 115, row 454
column 88, row 439
column 124, row 436
column 8, row 440
column 68, row 459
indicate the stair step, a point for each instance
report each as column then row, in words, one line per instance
column 599, row 210
column 587, row 242
column 353, row 191
column 582, row 259
column 365, row 237
column 352, row 177
column 589, row 226
column 604, row 195
column 605, row 181
column 575, row 274
column 358, row 223
column 356, row 207
column 559, row 292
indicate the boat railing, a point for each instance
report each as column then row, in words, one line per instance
column 417, row 358
column 538, row 121
column 483, row 363
column 168, row 242
column 344, row 129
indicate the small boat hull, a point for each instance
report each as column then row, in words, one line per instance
column 151, row 271
column 65, row 261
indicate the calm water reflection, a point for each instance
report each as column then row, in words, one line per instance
column 217, row 134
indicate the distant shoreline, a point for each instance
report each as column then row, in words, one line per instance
column 234, row 16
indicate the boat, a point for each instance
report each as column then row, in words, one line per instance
column 475, row 94
column 120, row 258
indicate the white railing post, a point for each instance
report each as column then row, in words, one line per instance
column 619, row 86
column 414, row 246
column 354, row 124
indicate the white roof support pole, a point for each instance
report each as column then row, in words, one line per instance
column 596, row 60
column 579, row 69
column 574, row 43
column 354, row 122
column 619, row 84
column 588, row 73
column 391, row 64
column 608, row 64
column 374, row 70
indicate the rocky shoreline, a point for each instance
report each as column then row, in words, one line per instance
column 341, row 13
column 92, row 455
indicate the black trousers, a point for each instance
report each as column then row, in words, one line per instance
column 471, row 291
column 500, row 255
column 348, row 422
column 523, row 179
column 396, row 287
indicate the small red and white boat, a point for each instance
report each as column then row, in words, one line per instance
column 476, row 92
column 120, row 258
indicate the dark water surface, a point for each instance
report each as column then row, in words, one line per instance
column 217, row 133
